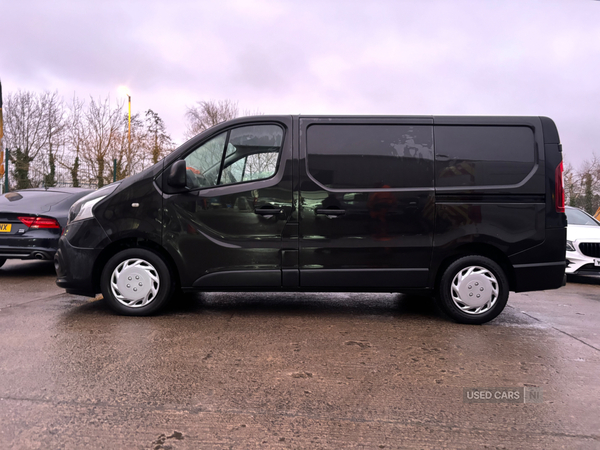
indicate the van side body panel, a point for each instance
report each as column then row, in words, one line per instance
column 500, row 207
column 366, row 203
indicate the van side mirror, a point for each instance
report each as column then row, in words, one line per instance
column 177, row 175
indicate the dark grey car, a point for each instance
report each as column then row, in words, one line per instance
column 32, row 220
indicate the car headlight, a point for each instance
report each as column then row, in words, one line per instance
column 570, row 246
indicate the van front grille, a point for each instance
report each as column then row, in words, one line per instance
column 590, row 249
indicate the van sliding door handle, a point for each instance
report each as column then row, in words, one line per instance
column 268, row 211
column 330, row 212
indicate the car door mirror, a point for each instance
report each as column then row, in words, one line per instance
column 177, row 175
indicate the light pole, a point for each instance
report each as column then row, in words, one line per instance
column 125, row 90
column 2, row 169
column 129, row 123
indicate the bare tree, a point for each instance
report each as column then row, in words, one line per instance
column 54, row 116
column 207, row 114
column 76, row 137
column 261, row 165
column 159, row 142
column 591, row 182
column 571, row 184
column 55, row 144
column 103, row 126
column 582, row 186
column 25, row 131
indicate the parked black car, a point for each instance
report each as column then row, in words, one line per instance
column 466, row 208
column 32, row 220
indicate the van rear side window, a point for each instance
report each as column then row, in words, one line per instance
column 483, row 155
column 370, row 156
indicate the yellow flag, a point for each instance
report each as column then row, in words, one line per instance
column 1, row 164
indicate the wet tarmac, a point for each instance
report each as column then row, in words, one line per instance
column 307, row 371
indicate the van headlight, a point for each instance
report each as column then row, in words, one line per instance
column 83, row 210
column 570, row 246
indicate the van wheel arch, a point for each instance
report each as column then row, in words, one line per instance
column 124, row 244
column 487, row 251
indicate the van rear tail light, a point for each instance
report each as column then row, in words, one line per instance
column 40, row 222
column 559, row 191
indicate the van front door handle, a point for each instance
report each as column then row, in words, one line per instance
column 330, row 212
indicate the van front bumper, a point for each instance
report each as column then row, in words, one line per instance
column 75, row 268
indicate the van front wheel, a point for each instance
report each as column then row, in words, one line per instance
column 473, row 290
column 136, row 282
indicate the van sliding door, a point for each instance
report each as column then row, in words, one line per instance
column 366, row 202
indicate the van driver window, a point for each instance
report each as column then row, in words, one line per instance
column 202, row 165
column 245, row 154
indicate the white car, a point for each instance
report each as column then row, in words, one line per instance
column 583, row 242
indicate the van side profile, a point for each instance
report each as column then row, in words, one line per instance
column 464, row 208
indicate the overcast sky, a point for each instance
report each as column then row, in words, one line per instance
column 505, row 57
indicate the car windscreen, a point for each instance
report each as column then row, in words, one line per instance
column 578, row 217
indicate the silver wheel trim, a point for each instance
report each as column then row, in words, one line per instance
column 135, row 283
column 474, row 290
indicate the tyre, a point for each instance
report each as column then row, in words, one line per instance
column 136, row 282
column 473, row 290
column 2, row 261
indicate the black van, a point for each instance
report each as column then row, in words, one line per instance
column 466, row 208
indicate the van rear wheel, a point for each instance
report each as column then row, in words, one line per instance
column 473, row 290
column 136, row 282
